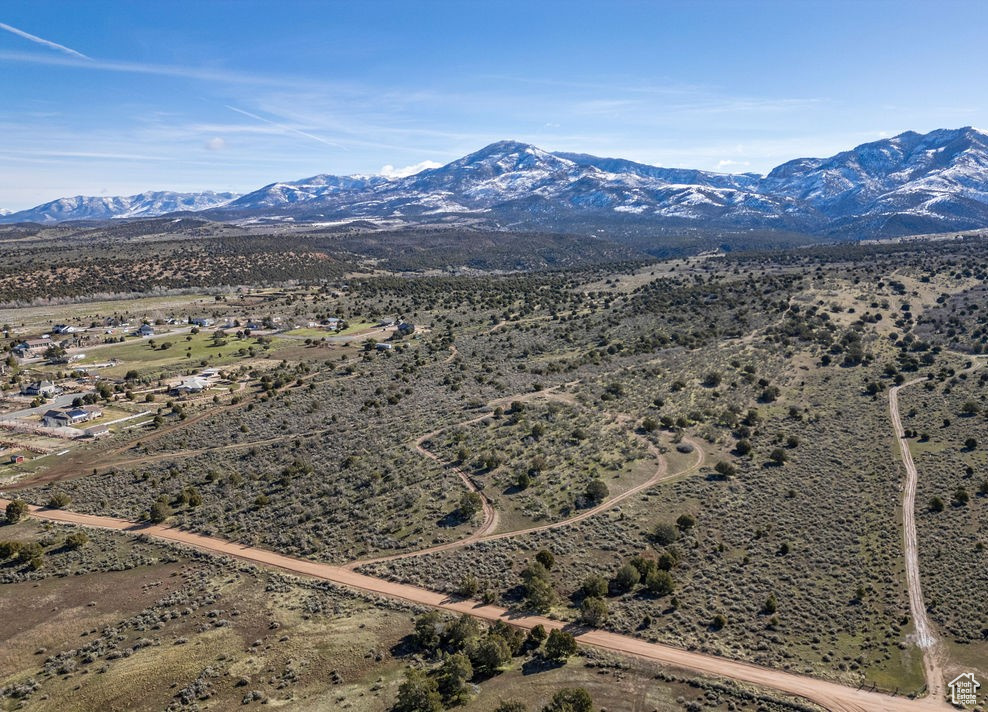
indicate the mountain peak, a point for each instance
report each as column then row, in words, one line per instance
column 507, row 167
column 505, row 146
column 508, row 153
column 932, row 182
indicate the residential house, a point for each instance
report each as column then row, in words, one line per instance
column 40, row 388
column 55, row 419
column 200, row 321
column 70, row 416
column 65, row 418
column 97, row 431
column 31, row 348
column 145, row 330
column 78, row 415
column 189, row 386
column 64, row 329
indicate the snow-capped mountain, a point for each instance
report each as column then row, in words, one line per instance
column 500, row 180
column 305, row 190
column 147, row 204
column 907, row 184
column 910, row 183
column 939, row 179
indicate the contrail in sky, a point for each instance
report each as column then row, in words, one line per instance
column 284, row 128
column 42, row 41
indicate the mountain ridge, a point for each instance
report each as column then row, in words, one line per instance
column 908, row 183
column 147, row 204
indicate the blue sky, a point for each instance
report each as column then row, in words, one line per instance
column 120, row 97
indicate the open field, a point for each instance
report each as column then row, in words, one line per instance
column 165, row 353
column 144, row 623
column 541, row 458
column 84, row 313
column 739, row 402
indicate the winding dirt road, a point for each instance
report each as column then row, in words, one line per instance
column 661, row 474
column 490, row 514
column 925, row 635
column 830, row 695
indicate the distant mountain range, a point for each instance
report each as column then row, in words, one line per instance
column 912, row 183
column 143, row 205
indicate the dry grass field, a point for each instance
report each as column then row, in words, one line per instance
column 553, row 392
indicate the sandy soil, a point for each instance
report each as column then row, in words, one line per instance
column 828, row 694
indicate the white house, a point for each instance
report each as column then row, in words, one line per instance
column 40, row 388
column 190, row 385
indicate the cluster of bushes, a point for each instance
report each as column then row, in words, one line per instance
column 462, row 649
column 31, row 554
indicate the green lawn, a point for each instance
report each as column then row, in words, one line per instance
column 356, row 327
column 314, row 333
column 186, row 351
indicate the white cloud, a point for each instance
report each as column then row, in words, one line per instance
column 42, row 41
column 727, row 164
column 389, row 171
column 215, row 144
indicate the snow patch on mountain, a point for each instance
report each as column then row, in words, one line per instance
column 934, row 181
column 148, row 204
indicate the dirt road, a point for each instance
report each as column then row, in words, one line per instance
column 661, row 474
column 925, row 635
column 491, row 517
column 830, row 695
column 490, row 514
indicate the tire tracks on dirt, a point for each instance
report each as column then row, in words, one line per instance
column 830, row 695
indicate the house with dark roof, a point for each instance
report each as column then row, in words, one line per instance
column 40, row 388
column 55, row 419
column 31, row 348
column 69, row 417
